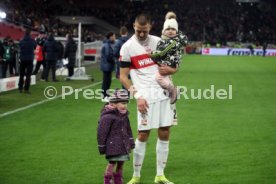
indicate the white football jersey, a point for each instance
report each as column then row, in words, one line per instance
column 143, row 69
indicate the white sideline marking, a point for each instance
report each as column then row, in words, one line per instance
column 41, row 102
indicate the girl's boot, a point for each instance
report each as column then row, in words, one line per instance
column 107, row 179
column 118, row 178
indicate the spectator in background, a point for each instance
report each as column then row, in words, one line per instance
column 40, row 57
column 6, row 57
column 117, row 47
column 51, row 50
column 107, row 63
column 1, row 58
column 70, row 54
column 27, row 46
column 264, row 46
column 60, row 54
column 251, row 49
column 9, row 57
column 12, row 64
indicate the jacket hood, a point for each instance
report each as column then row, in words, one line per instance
column 124, row 38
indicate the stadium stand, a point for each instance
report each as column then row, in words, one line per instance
column 212, row 22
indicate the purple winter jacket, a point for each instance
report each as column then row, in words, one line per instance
column 114, row 133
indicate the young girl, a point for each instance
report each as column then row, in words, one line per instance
column 169, row 52
column 115, row 138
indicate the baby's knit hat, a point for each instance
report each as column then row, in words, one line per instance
column 170, row 21
column 120, row 95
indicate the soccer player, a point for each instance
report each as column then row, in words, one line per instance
column 154, row 108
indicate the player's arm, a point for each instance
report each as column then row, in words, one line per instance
column 167, row 70
column 124, row 72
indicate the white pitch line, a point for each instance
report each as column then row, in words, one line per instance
column 41, row 102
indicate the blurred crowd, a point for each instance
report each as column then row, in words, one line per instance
column 45, row 50
column 8, row 51
column 39, row 16
column 210, row 21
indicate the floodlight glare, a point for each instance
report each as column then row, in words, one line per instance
column 3, row 15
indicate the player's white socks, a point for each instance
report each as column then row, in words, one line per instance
column 162, row 152
column 138, row 157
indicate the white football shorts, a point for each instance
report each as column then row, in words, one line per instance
column 160, row 114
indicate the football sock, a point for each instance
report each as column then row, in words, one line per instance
column 162, row 151
column 138, row 157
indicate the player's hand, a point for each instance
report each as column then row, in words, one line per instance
column 166, row 70
column 132, row 90
column 142, row 105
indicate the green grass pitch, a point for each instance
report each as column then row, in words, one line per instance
column 230, row 141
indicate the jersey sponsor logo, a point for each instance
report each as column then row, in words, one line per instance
column 141, row 61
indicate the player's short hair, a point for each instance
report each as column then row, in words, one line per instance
column 143, row 19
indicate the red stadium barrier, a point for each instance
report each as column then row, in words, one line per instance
column 14, row 31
